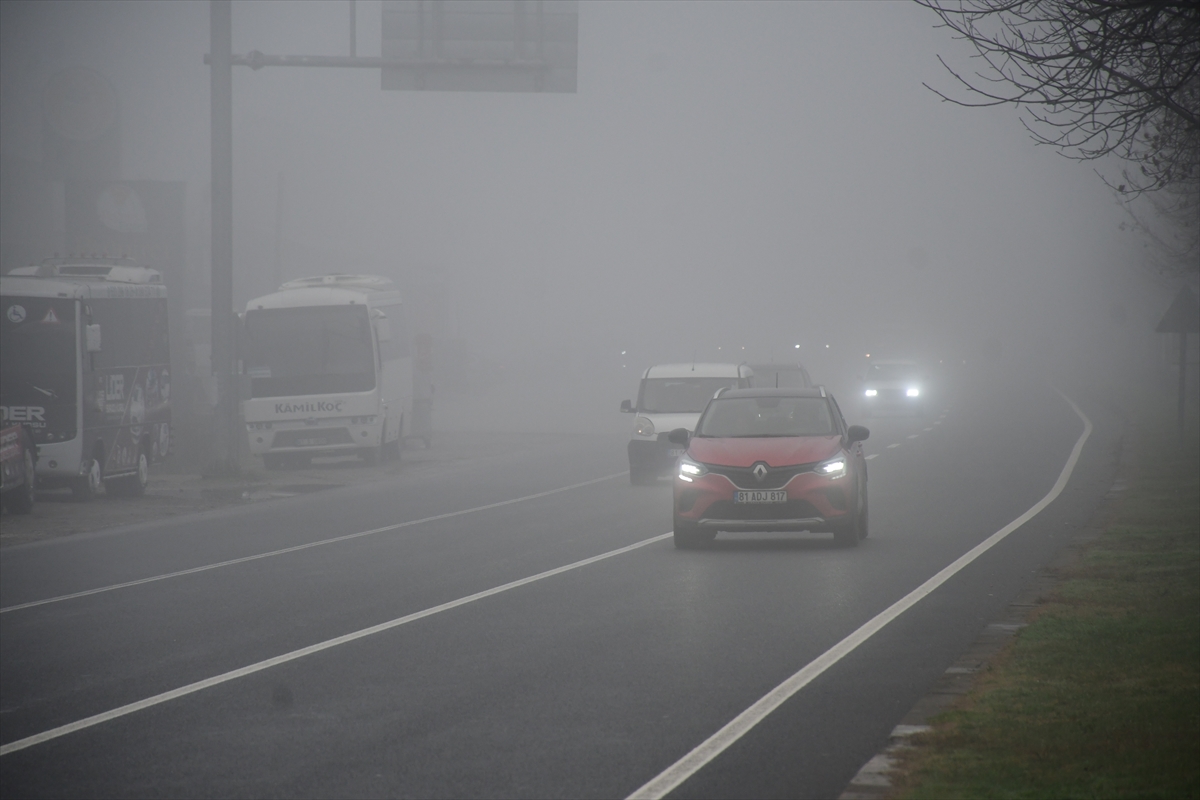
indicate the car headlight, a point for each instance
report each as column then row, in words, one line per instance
column 871, row 392
column 833, row 468
column 689, row 469
column 912, row 391
column 643, row 427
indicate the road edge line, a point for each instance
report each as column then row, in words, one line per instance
column 669, row 779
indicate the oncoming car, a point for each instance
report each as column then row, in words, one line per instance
column 672, row 396
column 771, row 460
column 893, row 387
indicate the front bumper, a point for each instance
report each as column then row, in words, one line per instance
column 814, row 503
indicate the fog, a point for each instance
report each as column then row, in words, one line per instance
column 729, row 181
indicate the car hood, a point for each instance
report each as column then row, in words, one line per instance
column 665, row 423
column 776, row 451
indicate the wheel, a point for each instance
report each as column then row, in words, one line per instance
column 87, row 486
column 21, row 500
column 273, row 461
column 689, row 536
column 131, row 485
column 853, row 532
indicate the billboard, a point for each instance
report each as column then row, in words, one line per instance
column 480, row 45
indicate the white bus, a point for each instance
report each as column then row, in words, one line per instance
column 330, row 370
column 85, row 367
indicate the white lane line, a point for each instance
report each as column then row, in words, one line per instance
column 937, row 422
column 913, row 435
column 894, row 444
column 216, row 680
column 927, row 430
column 873, row 455
column 706, row 751
column 320, row 543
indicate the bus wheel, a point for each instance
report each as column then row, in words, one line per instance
column 131, row 485
column 391, row 450
column 21, row 501
column 87, row 486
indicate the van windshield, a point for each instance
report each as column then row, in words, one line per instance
column 310, row 350
column 679, row 395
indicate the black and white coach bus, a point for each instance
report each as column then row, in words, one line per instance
column 84, row 366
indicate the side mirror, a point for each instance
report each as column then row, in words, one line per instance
column 857, row 433
column 626, row 407
column 92, row 337
column 679, row 436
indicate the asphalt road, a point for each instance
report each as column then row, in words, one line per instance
column 584, row 683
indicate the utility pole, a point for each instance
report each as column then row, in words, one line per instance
column 225, row 419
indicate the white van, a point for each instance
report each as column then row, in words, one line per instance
column 672, row 396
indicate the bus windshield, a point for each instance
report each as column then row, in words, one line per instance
column 309, row 350
column 37, row 365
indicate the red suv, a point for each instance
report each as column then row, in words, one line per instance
column 771, row 460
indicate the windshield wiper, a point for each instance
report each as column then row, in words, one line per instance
column 52, row 395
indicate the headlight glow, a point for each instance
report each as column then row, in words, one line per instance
column 833, row 468
column 912, row 391
column 689, row 469
column 871, row 392
column 643, row 427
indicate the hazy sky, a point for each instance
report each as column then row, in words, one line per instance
column 728, row 174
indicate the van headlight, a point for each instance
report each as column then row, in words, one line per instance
column 871, row 392
column 833, row 468
column 912, row 391
column 642, row 426
column 689, row 469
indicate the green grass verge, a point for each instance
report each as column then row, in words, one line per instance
column 1100, row 695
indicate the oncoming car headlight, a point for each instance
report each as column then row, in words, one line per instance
column 689, row 469
column 871, row 392
column 912, row 391
column 833, row 468
column 643, row 427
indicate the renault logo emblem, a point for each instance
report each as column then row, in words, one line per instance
column 760, row 471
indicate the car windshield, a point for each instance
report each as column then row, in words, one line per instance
column 743, row 417
column 891, row 372
column 680, row 395
column 313, row 350
column 779, row 376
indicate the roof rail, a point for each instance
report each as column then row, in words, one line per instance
column 375, row 283
column 822, row 388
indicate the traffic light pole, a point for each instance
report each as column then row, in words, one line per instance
column 225, row 415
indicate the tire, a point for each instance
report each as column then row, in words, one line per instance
column 20, row 501
column 87, row 487
column 688, row 536
column 131, row 485
column 856, row 530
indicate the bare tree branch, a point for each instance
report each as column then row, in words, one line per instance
column 1093, row 77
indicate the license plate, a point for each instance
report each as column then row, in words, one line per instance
column 676, row 453
column 760, row 497
column 310, row 442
